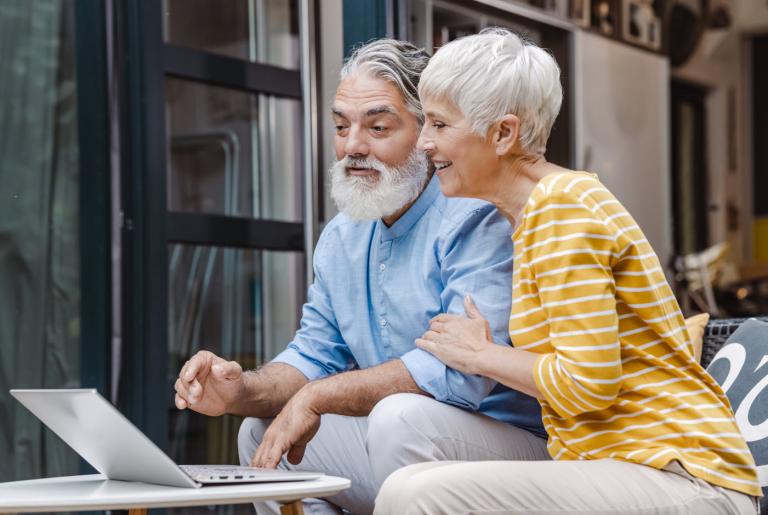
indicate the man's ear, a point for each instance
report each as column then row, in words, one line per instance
column 506, row 134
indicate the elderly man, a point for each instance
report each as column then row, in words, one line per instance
column 398, row 254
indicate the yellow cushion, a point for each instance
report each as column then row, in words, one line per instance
column 696, row 325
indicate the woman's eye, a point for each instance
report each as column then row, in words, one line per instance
column 438, row 125
column 340, row 128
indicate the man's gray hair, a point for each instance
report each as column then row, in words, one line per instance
column 495, row 73
column 398, row 62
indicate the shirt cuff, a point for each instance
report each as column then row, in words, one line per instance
column 293, row 357
column 428, row 372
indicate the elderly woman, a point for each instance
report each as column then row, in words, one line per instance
column 635, row 424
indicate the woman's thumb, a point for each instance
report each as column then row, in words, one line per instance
column 470, row 309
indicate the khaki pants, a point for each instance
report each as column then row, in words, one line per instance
column 554, row 487
column 401, row 430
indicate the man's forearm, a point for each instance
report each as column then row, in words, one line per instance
column 267, row 389
column 356, row 392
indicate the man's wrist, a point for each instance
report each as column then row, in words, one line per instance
column 311, row 394
column 247, row 394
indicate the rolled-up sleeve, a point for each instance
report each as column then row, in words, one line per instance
column 475, row 258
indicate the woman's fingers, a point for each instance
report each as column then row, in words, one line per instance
column 425, row 345
column 445, row 318
column 431, row 335
column 437, row 326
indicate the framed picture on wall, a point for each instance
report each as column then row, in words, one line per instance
column 639, row 23
column 603, row 16
column 556, row 7
column 578, row 12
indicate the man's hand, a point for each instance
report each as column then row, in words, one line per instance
column 290, row 432
column 209, row 384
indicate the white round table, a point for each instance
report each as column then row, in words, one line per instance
column 95, row 492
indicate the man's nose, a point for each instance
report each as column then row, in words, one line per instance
column 356, row 144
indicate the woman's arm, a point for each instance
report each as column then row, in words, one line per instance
column 510, row 367
column 465, row 345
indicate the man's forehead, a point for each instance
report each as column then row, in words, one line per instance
column 368, row 96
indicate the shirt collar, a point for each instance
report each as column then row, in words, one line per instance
column 413, row 215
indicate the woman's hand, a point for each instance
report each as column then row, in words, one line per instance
column 458, row 341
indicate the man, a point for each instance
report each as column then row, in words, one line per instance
column 397, row 255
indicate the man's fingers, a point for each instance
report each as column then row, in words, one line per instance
column 296, row 454
column 180, row 403
column 199, row 366
column 267, row 457
column 255, row 459
column 181, row 393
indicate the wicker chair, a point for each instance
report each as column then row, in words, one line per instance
column 718, row 330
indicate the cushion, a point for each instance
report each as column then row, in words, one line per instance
column 741, row 368
column 696, row 326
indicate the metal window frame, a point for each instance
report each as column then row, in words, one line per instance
column 143, row 61
column 94, row 199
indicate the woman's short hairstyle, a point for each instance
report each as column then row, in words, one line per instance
column 398, row 62
column 495, row 73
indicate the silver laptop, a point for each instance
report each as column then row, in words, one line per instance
column 116, row 448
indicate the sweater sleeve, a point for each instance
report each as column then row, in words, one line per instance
column 571, row 250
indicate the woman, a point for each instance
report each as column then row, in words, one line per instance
column 635, row 424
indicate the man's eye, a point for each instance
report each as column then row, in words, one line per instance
column 378, row 129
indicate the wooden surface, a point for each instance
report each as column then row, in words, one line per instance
column 293, row 508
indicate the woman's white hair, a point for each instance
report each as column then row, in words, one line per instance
column 398, row 62
column 495, row 73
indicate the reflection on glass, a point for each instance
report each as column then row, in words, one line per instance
column 233, row 153
column 265, row 31
column 243, row 305
column 39, row 229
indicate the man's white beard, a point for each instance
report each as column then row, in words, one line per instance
column 379, row 195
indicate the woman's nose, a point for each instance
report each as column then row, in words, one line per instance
column 425, row 142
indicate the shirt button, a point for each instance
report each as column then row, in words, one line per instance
column 382, row 267
column 382, row 322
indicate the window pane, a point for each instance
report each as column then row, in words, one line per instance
column 233, row 153
column 242, row 305
column 39, row 229
column 264, row 31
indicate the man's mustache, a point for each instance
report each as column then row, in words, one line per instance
column 370, row 164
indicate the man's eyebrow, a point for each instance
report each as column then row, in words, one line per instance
column 381, row 110
column 374, row 111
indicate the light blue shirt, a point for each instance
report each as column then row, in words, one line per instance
column 377, row 287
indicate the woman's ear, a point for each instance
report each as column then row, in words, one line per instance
column 506, row 134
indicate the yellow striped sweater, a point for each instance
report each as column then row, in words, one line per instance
column 616, row 374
